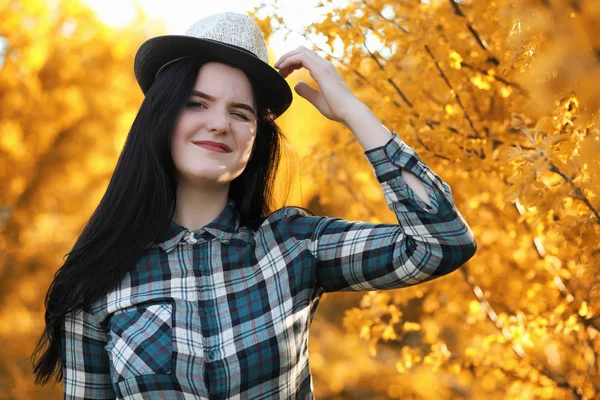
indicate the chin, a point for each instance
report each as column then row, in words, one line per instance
column 204, row 179
column 204, row 176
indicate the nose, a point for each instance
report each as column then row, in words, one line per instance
column 217, row 121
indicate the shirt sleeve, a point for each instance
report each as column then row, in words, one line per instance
column 428, row 241
column 86, row 371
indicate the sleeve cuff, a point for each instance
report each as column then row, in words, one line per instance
column 390, row 159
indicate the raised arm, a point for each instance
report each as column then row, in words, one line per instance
column 431, row 238
column 429, row 241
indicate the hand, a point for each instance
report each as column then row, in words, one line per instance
column 335, row 100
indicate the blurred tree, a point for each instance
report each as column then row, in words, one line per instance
column 500, row 99
column 67, row 99
column 497, row 97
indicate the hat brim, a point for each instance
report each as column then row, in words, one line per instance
column 158, row 51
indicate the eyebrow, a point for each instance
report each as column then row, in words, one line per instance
column 211, row 98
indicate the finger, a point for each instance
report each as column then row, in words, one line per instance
column 296, row 62
column 299, row 50
column 309, row 93
column 302, row 59
column 285, row 57
column 315, row 97
column 296, row 51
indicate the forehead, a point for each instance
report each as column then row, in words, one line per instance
column 224, row 81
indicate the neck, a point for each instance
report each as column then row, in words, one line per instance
column 198, row 206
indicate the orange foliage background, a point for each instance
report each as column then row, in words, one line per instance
column 499, row 98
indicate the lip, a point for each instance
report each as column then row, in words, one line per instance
column 213, row 146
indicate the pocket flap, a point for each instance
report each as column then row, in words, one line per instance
column 141, row 341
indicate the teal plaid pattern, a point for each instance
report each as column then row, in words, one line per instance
column 141, row 341
column 223, row 312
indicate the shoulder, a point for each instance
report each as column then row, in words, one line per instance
column 280, row 218
column 289, row 212
column 279, row 224
column 292, row 222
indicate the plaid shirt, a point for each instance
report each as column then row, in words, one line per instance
column 223, row 312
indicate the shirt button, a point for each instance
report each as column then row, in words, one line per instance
column 212, row 354
column 196, row 236
column 208, row 311
column 201, row 267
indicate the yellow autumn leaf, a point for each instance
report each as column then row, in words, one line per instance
column 411, row 327
column 455, row 60
column 389, row 333
column 505, row 91
column 583, row 309
column 480, row 83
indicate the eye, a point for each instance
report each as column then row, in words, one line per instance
column 195, row 104
column 243, row 116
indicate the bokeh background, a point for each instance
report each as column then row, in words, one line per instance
column 500, row 98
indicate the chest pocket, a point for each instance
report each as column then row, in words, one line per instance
column 141, row 341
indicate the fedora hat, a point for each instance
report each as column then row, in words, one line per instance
column 231, row 38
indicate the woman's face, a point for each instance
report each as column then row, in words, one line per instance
column 220, row 109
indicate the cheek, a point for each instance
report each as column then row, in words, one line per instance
column 182, row 126
column 178, row 149
column 247, row 145
column 175, row 145
column 186, row 123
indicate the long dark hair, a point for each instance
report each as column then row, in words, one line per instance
column 139, row 203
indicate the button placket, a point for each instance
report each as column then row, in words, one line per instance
column 190, row 237
column 212, row 354
column 202, row 267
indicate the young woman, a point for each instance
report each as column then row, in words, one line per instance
column 184, row 284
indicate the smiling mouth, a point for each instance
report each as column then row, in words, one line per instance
column 212, row 147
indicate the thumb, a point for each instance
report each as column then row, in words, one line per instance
column 304, row 90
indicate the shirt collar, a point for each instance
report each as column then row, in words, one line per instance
column 221, row 228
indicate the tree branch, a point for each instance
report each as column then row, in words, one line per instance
column 389, row 80
column 456, row 95
column 559, row 380
column 563, row 289
column 560, row 284
column 401, row 28
column 412, row 124
column 578, row 192
column 455, row 6
column 496, row 77
column 493, row 59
